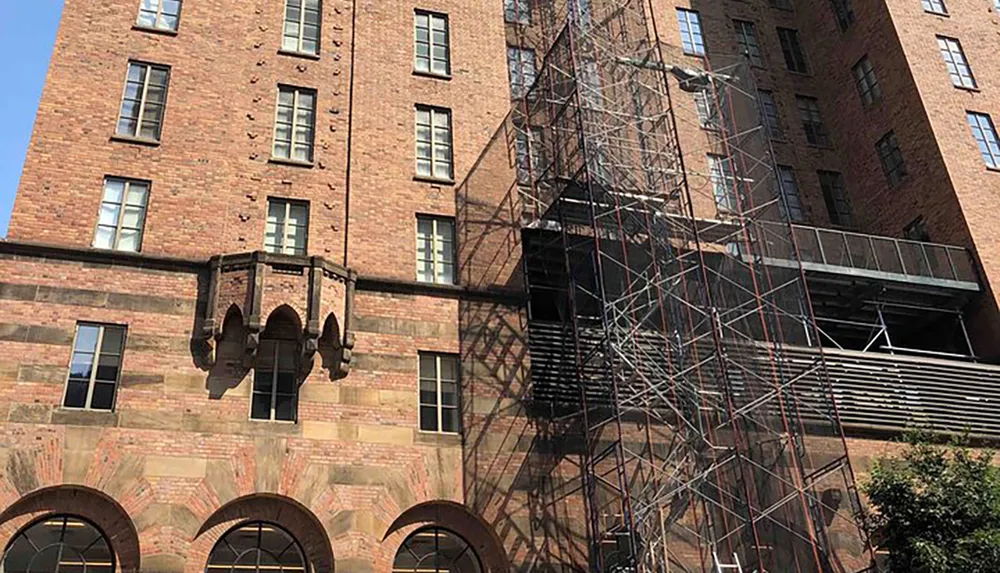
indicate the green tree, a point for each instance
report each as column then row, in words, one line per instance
column 937, row 509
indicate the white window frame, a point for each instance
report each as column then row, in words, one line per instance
column 692, row 36
column 746, row 34
column 433, row 144
column 436, row 241
column 120, row 222
column 92, row 382
column 439, row 405
column 957, row 63
column 723, row 180
column 158, row 17
column 517, row 11
column 278, row 344
column 297, row 93
column 522, row 68
column 284, row 227
column 300, row 33
column 432, row 17
column 528, row 149
column 143, row 101
column 984, row 133
column 935, row 7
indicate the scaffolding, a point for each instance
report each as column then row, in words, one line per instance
column 648, row 279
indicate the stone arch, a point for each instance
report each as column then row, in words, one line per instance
column 453, row 517
column 79, row 501
column 230, row 365
column 285, row 512
column 284, row 321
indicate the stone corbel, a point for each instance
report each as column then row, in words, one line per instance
column 254, row 324
column 310, row 341
column 211, row 328
column 343, row 367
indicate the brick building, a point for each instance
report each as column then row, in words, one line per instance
column 265, row 305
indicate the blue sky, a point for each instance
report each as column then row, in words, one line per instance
column 27, row 33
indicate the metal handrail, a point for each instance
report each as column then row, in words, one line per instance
column 834, row 247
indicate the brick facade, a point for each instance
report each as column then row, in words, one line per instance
column 179, row 461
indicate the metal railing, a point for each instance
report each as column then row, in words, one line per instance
column 872, row 253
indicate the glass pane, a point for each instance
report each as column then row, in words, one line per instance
column 158, row 77
column 424, row 167
column 81, row 366
column 172, row 7
column 137, row 194
column 260, row 408
column 150, row 131
column 449, row 393
column 446, row 274
column 133, row 217
column 428, row 367
column 284, row 408
column 286, row 97
column 287, row 382
column 112, row 342
column 449, row 420
column 263, row 380
column 86, row 338
column 76, row 394
column 104, row 238
column 428, row 392
column 136, row 73
column 114, row 189
column 104, row 396
column 107, row 368
column 428, row 419
column 449, row 368
column 129, row 240
column 108, row 215
column 127, row 127
column 130, row 109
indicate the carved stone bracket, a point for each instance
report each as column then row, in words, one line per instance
column 253, row 282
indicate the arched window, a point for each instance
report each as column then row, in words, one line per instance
column 435, row 550
column 59, row 544
column 257, row 547
column 275, row 383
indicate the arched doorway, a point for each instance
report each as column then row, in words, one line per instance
column 59, row 544
column 435, row 550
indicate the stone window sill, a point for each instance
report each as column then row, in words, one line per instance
column 291, row 162
column 304, row 55
column 436, row 180
column 160, row 31
column 136, row 140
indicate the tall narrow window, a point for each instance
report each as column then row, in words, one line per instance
column 517, row 11
column 891, row 158
column 746, row 36
column 985, row 134
column 521, row 65
column 287, row 228
column 143, row 102
column 791, row 48
column 844, row 12
column 934, row 6
column 302, row 26
column 835, row 196
column 723, row 183
column 789, row 199
column 438, row 393
column 275, row 380
column 159, row 14
column 812, row 121
column 707, row 110
column 436, row 250
column 295, row 124
column 530, row 162
column 432, row 44
column 954, row 59
column 434, row 157
column 95, row 367
column 769, row 111
column 122, row 216
column 691, row 37
column 864, row 75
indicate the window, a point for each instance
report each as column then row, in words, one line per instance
column 791, row 48
column 59, row 543
column 917, row 231
column 122, row 215
column 435, row 550
column 835, row 196
column 985, row 135
column 436, row 250
column 295, row 124
column 691, row 38
column 934, row 6
column 432, row 56
column 143, row 102
column 529, row 147
column 844, row 11
column 782, row 4
column 95, row 366
column 789, row 199
column 517, row 11
column 438, row 393
column 954, row 59
column 723, row 183
column 521, row 64
column 580, row 9
column 287, row 229
column 769, row 112
column 704, row 105
column 812, row 121
column 302, row 25
column 746, row 35
column 891, row 158
column 589, row 84
column 257, row 547
column 434, row 143
column 159, row 14
column 868, row 88
column 276, row 376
